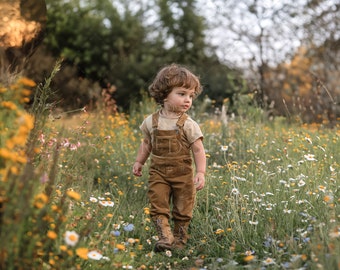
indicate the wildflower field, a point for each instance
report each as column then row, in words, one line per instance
column 69, row 200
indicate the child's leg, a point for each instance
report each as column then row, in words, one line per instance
column 166, row 238
column 184, row 193
column 180, row 234
column 159, row 197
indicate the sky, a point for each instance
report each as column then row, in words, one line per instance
column 232, row 47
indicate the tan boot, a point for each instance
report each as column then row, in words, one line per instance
column 166, row 238
column 181, row 234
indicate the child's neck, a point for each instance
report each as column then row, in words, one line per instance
column 170, row 114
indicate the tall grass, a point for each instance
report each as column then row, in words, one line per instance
column 69, row 200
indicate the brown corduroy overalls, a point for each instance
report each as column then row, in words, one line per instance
column 171, row 173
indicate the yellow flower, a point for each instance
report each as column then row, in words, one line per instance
column 304, row 257
column 9, row 105
column 132, row 254
column 5, row 153
column 20, row 159
column 27, row 121
column 219, row 231
column 42, row 196
column 73, row 195
column 14, row 170
column 27, row 82
column 120, row 247
column 249, row 258
column 63, row 248
column 82, row 253
column 52, row 235
column 40, row 200
column 26, row 92
column 328, row 198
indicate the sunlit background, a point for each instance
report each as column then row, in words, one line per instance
column 285, row 53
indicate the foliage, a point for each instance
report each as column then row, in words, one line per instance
column 271, row 198
column 264, row 38
column 106, row 46
column 15, row 126
column 111, row 46
column 185, row 30
column 301, row 89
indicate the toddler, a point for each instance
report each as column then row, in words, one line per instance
column 172, row 138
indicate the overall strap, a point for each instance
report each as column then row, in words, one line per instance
column 181, row 120
column 155, row 117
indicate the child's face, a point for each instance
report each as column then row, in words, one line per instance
column 179, row 100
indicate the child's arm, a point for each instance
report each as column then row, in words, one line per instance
column 200, row 163
column 142, row 155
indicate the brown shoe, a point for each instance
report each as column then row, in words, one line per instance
column 180, row 234
column 166, row 238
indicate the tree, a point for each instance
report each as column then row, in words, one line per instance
column 184, row 30
column 21, row 31
column 261, row 35
column 105, row 45
column 256, row 35
column 114, row 43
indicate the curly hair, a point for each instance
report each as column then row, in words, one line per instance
column 170, row 77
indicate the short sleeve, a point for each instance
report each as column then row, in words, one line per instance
column 146, row 127
column 192, row 131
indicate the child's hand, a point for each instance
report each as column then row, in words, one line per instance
column 137, row 169
column 199, row 180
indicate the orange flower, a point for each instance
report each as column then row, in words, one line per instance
column 40, row 200
column 52, row 235
column 120, row 247
column 27, row 82
column 82, row 253
column 9, row 105
column 73, row 195
column 63, row 248
column 249, row 258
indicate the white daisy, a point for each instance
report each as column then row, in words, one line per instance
column 235, row 191
column 268, row 261
column 93, row 199
column 107, row 203
column 71, row 238
column 94, row 255
column 224, row 148
column 310, row 157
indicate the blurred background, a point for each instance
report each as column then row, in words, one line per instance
column 283, row 56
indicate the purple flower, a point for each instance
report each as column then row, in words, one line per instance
column 128, row 228
column 115, row 233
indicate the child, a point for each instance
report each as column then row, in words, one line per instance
column 170, row 136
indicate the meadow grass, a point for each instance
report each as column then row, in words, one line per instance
column 69, row 200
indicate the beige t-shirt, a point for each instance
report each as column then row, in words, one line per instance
column 191, row 129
